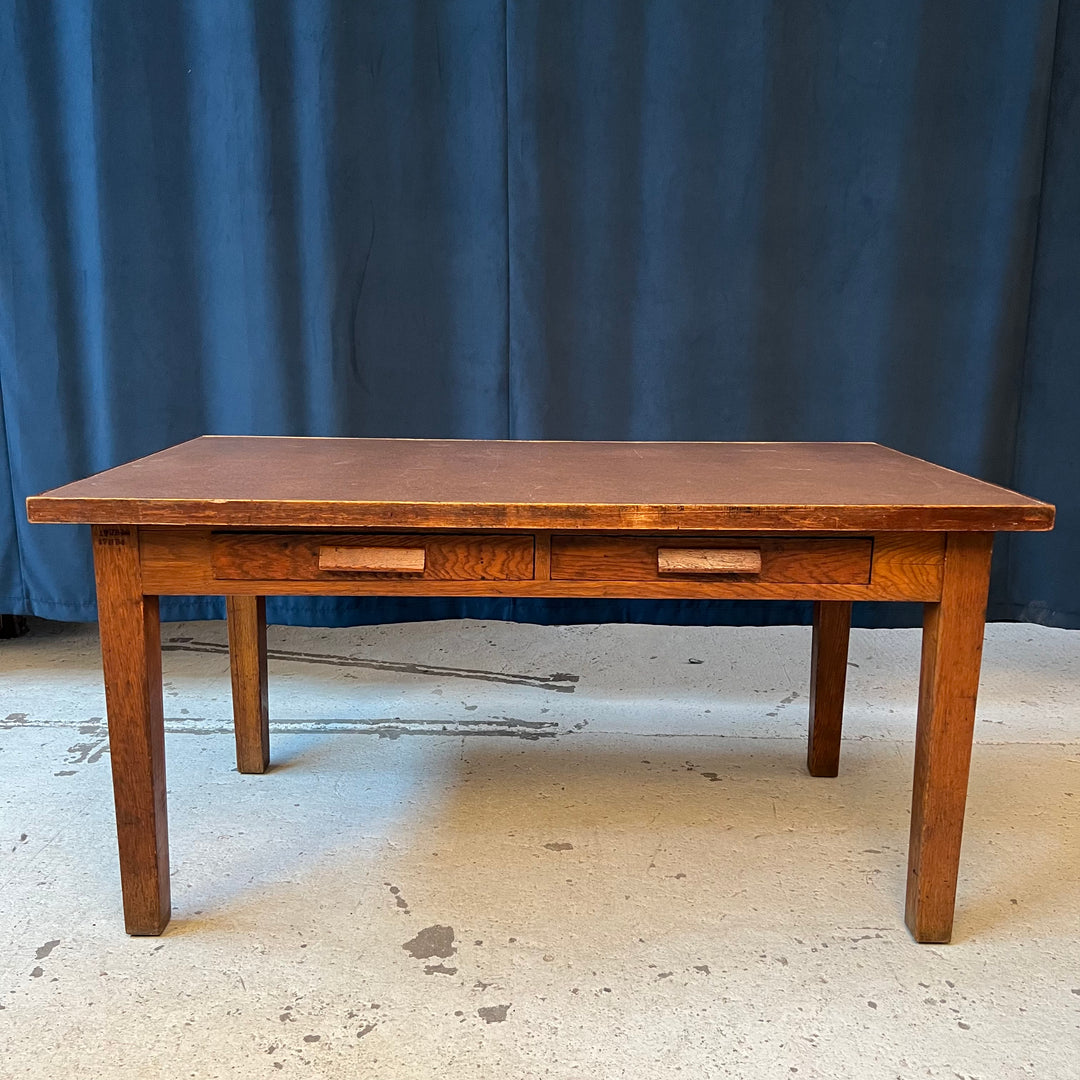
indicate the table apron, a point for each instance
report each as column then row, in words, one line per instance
column 904, row 567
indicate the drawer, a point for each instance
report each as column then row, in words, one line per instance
column 793, row 560
column 394, row 556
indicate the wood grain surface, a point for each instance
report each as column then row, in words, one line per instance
column 246, row 619
column 782, row 559
column 708, row 560
column 249, row 481
column 951, row 657
column 828, row 680
column 445, row 557
column 179, row 561
column 131, row 659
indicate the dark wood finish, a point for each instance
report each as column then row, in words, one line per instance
column 246, row 617
column 785, row 559
column 949, row 682
column 131, row 659
column 466, row 484
column 828, row 679
column 830, row 522
column 297, row 556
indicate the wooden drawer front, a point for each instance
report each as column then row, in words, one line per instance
column 660, row 558
column 393, row 556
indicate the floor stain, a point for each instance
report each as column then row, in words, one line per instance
column 493, row 1014
column 399, row 900
column 439, row 969
column 560, row 846
column 46, row 949
column 367, row 1029
column 37, row 973
column 87, row 753
column 432, row 941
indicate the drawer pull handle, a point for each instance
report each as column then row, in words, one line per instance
column 708, row 561
column 373, row 560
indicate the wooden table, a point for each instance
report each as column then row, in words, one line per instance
column 249, row 517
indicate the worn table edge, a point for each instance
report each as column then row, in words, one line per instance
column 294, row 513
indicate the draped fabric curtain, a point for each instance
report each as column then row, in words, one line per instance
column 539, row 219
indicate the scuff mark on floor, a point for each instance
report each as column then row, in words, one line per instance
column 384, row 727
column 560, row 682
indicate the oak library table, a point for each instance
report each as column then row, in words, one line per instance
column 249, row 517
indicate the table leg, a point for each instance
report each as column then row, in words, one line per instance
column 131, row 660
column 828, row 677
column 247, row 661
column 951, row 656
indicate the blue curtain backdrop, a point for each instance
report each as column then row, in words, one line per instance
column 533, row 219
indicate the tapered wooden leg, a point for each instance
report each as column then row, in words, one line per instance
column 247, row 660
column 828, row 677
column 131, row 660
column 951, row 657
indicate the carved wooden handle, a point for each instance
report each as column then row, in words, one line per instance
column 373, row 560
column 708, row 561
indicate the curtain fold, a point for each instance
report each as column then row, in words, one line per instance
column 538, row 219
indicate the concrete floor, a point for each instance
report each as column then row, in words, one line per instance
column 515, row 851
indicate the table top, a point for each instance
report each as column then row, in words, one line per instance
column 281, row 482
